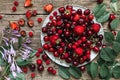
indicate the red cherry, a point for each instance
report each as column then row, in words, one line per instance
column 51, row 17
column 112, row 17
column 47, row 62
column 84, row 39
column 0, row 16
column 25, row 69
column 99, row 1
column 66, row 55
column 54, row 72
column 16, row 3
column 79, row 51
column 30, row 34
column 87, row 12
column 91, row 17
column 114, row 33
column 44, row 57
column 39, row 20
column 50, row 69
column 46, row 38
column 55, row 13
column 96, row 49
column 103, row 46
column 81, row 60
column 82, row 68
column 40, row 50
column 40, row 68
column 32, row 75
column 14, row 8
column 37, row 54
column 61, row 9
column 39, row 62
column 79, row 30
column 56, row 54
column 45, row 46
column 34, row 12
column 96, row 27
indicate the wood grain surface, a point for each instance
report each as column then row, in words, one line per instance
column 8, row 15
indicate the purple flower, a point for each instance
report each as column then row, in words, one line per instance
column 13, row 67
column 12, row 51
column 18, row 69
column 14, row 74
column 9, row 59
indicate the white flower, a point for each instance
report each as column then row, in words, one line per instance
column 14, row 74
column 13, row 67
column 3, row 56
column 12, row 51
column 14, row 40
column 9, row 59
column 18, row 69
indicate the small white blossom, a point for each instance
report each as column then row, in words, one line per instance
column 13, row 67
column 18, row 69
column 14, row 74
column 9, row 59
column 12, row 51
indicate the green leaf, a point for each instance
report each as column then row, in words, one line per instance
column 115, row 7
column 109, row 37
column 108, row 54
column 32, row 54
column 2, row 62
column 104, row 70
column 114, row 0
column 63, row 72
column 115, row 23
column 19, row 42
column 100, row 61
column 103, row 18
column 93, row 69
column 118, row 37
column 20, row 76
column 101, row 11
column 75, row 72
column 116, row 72
column 21, row 62
column 116, row 47
column 97, row 8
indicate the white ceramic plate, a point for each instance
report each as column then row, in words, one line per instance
column 57, row 60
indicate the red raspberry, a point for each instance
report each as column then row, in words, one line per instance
column 16, row 3
column 32, row 75
column 39, row 20
column 31, row 34
column 14, row 8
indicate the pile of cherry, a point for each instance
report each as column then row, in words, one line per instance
column 71, row 35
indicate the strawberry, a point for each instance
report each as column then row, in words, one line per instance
column 96, row 27
column 79, row 29
column 76, row 17
column 79, row 51
column 14, row 25
column 28, row 3
column 48, row 8
column 54, row 39
column 28, row 14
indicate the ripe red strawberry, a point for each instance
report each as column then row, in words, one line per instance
column 79, row 51
column 28, row 14
column 79, row 29
column 16, row 3
column 96, row 27
column 48, row 8
column 28, row 3
column 14, row 8
column 30, row 34
column 76, row 17
column 54, row 39
column 32, row 75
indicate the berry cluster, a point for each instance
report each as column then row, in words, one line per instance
column 72, row 34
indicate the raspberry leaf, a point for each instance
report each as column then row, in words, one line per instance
column 104, row 71
column 109, row 37
column 116, row 47
column 63, row 72
column 108, row 54
column 116, row 72
column 103, row 18
column 115, row 23
column 75, row 72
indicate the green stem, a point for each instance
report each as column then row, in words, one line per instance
column 5, row 70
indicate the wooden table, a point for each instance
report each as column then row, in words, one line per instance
column 8, row 15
